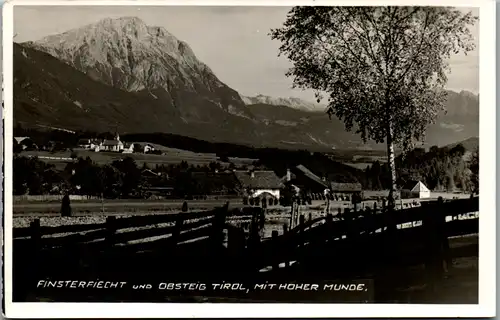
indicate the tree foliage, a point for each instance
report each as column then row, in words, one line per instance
column 474, row 168
column 383, row 68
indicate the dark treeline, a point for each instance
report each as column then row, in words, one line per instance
column 439, row 169
column 120, row 179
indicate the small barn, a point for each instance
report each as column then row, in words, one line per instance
column 415, row 189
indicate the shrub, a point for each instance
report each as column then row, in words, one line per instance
column 65, row 206
column 185, row 207
column 245, row 201
column 271, row 201
column 252, row 201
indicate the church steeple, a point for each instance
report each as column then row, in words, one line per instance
column 117, row 135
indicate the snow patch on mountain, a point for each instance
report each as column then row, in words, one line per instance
column 294, row 103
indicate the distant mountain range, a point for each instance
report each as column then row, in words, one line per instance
column 294, row 103
column 120, row 74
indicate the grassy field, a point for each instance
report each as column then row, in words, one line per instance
column 135, row 206
column 81, row 208
column 170, row 156
column 62, row 158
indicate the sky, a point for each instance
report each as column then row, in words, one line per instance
column 232, row 41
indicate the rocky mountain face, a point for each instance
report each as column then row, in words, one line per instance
column 122, row 74
column 294, row 103
column 127, row 54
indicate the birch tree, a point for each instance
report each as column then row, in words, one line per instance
column 382, row 69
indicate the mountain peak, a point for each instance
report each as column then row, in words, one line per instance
column 119, row 46
column 128, row 54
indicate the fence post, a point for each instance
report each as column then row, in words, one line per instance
column 275, row 247
column 285, row 228
column 444, row 244
column 218, row 226
column 301, row 228
column 329, row 226
column 310, row 216
column 236, row 240
column 301, row 222
column 285, row 232
column 254, row 229
column 435, row 249
column 177, row 230
column 110, row 230
column 36, row 235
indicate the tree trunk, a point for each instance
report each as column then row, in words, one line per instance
column 392, row 167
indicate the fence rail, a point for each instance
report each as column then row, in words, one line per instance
column 229, row 240
column 428, row 223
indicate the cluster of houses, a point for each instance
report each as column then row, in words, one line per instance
column 263, row 184
column 266, row 184
column 114, row 145
column 97, row 145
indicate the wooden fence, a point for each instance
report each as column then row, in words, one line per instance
column 420, row 231
column 226, row 242
column 169, row 228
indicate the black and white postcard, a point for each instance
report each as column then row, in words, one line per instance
column 249, row 159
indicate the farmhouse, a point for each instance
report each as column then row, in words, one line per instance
column 345, row 190
column 306, row 181
column 257, row 183
column 152, row 178
column 25, row 143
column 128, row 148
column 88, row 143
column 148, row 148
column 415, row 189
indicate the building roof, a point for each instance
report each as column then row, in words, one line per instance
column 111, row 143
column 20, row 139
column 260, row 179
column 346, row 187
column 84, row 141
column 415, row 186
column 306, row 172
column 149, row 172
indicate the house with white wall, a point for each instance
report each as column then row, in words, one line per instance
column 259, row 183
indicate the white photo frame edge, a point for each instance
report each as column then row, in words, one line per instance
column 487, row 245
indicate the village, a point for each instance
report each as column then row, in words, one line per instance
column 250, row 184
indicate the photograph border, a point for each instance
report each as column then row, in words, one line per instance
column 487, row 223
